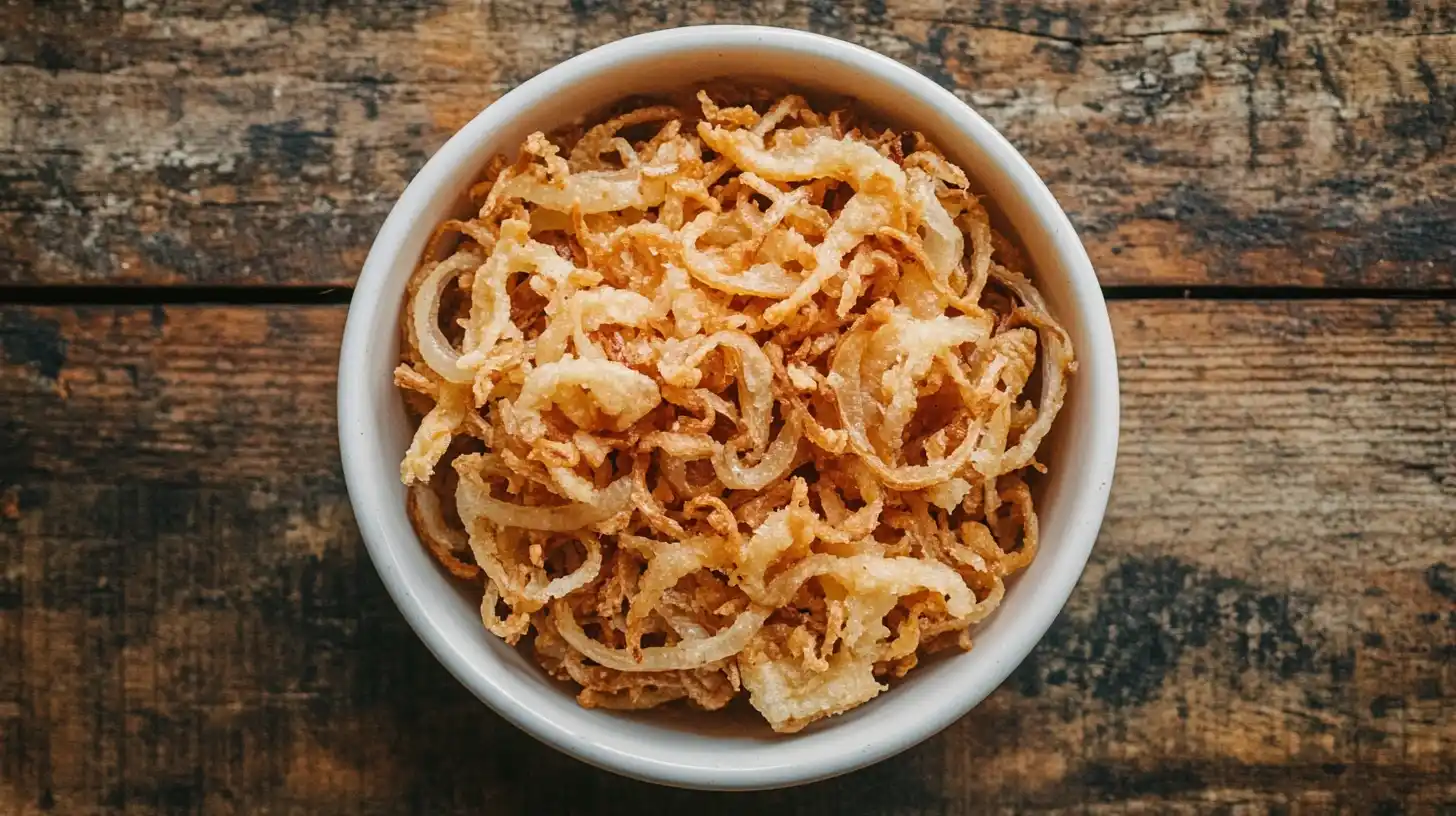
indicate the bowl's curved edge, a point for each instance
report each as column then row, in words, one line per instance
column 354, row 430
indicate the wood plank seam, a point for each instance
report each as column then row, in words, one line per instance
column 306, row 295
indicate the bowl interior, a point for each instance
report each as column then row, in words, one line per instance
column 668, row 745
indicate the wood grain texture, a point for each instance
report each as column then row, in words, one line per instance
column 188, row 622
column 1255, row 142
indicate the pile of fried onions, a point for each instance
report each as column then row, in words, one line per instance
column 720, row 399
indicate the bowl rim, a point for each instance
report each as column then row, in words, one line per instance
column 363, row 481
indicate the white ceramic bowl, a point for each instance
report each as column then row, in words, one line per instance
column 675, row 747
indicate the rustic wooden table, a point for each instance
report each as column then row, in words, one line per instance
column 188, row 622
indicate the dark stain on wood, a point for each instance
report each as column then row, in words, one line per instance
column 1278, row 9
column 32, row 341
column 1422, row 234
column 1064, row 57
column 1109, row 782
column 380, row 16
column 829, row 16
column 1326, row 74
column 1441, row 578
column 289, row 146
column 50, row 58
column 53, row 37
column 11, row 596
column 1426, row 122
column 1152, row 611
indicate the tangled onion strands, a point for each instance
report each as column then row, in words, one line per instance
column 443, row 541
column 850, row 394
column 853, row 162
column 1057, row 363
column 761, row 280
column 537, row 588
column 688, row 654
column 592, row 393
column 726, row 396
column 474, row 501
column 436, row 350
column 680, row 364
column 896, row 576
column 511, row 628
column 432, row 437
column 776, row 462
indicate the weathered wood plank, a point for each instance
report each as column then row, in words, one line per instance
column 188, row 621
column 1285, row 142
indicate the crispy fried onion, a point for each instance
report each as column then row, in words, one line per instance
column 593, row 394
column 729, row 396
